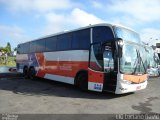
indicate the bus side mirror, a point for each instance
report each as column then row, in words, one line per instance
column 120, row 46
column 120, row 51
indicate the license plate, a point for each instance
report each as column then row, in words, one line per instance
column 138, row 87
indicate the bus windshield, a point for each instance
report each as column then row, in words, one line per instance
column 127, row 35
column 133, row 60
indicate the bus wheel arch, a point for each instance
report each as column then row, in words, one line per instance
column 32, row 72
column 81, row 80
column 25, row 71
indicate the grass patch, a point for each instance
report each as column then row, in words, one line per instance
column 10, row 63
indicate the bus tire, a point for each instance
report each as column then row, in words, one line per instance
column 82, row 81
column 32, row 73
column 25, row 72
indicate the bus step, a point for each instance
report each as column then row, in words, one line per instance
column 109, row 91
column 109, row 87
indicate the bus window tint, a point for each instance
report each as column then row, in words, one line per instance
column 51, row 43
column 102, row 34
column 26, row 48
column 33, row 46
column 64, row 42
column 81, row 39
column 20, row 49
column 40, row 47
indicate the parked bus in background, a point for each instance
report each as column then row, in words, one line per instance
column 158, row 52
column 153, row 62
column 102, row 57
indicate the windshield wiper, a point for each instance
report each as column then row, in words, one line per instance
column 136, row 63
column 143, row 64
column 139, row 62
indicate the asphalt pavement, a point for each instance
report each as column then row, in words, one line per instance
column 19, row 95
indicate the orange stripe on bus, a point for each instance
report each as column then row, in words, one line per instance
column 63, row 68
column 135, row 78
column 95, row 76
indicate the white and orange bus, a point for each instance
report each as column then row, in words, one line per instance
column 101, row 57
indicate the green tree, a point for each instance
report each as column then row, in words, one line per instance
column 15, row 49
column 8, row 48
column 2, row 49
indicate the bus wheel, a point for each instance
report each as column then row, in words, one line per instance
column 25, row 72
column 82, row 81
column 32, row 73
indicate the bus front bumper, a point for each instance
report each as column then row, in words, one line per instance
column 127, row 88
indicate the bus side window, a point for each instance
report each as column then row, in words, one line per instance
column 33, row 46
column 81, row 39
column 18, row 49
column 64, row 41
column 51, row 43
column 26, row 48
column 21, row 49
column 40, row 45
column 102, row 34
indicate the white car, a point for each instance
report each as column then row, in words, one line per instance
column 153, row 72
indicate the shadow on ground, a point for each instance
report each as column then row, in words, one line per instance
column 42, row 87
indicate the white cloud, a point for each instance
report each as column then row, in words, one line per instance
column 125, row 21
column 97, row 4
column 36, row 5
column 144, row 10
column 76, row 18
column 12, row 34
column 141, row 10
column 55, row 23
column 82, row 18
column 150, row 35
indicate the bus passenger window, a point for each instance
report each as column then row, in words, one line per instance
column 51, row 43
column 81, row 39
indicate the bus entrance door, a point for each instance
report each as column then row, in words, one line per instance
column 95, row 71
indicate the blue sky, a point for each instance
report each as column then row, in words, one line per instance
column 24, row 20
